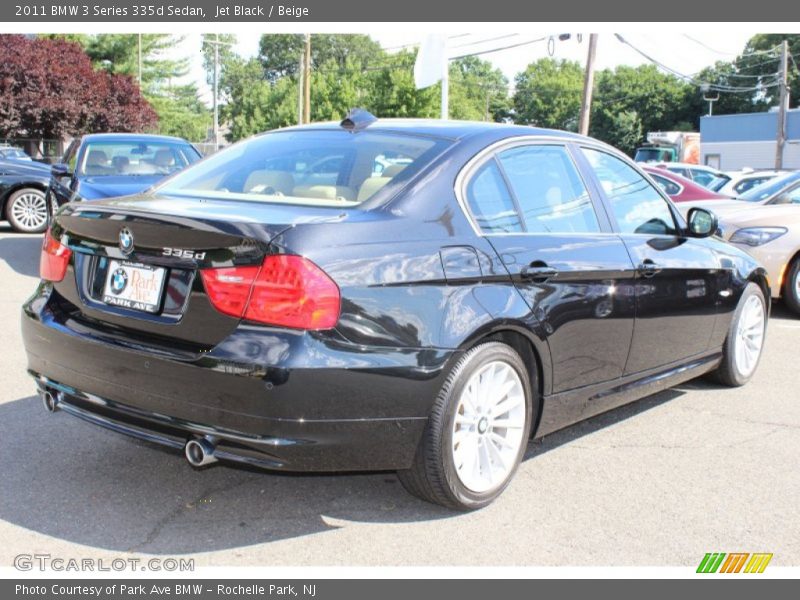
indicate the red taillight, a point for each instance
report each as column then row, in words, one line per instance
column 288, row 291
column 54, row 259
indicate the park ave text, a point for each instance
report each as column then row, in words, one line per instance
column 166, row 589
column 225, row 12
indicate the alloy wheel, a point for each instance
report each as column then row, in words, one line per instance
column 749, row 335
column 488, row 426
column 29, row 211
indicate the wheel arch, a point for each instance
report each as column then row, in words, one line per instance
column 761, row 279
column 533, row 351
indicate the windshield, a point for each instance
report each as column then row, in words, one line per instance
column 770, row 188
column 132, row 158
column 322, row 167
column 652, row 154
column 13, row 153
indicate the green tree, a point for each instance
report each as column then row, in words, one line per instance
column 548, row 94
column 661, row 102
column 395, row 94
column 224, row 42
column 280, row 53
column 478, row 91
column 761, row 57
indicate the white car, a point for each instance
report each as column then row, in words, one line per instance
column 741, row 181
column 708, row 177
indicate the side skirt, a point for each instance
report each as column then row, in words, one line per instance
column 566, row 408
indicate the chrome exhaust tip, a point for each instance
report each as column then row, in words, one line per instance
column 199, row 452
column 49, row 400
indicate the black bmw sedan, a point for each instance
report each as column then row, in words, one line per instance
column 417, row 296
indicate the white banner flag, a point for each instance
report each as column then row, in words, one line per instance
column 431, row 61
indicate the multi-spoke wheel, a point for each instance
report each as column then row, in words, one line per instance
column 477, row 432
column 745, row 341
column 26, row 211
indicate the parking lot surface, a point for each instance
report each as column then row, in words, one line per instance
column 662, row 481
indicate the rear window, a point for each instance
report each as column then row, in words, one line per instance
column 135, row 158
column 332, row 168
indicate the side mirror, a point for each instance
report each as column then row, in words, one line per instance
column 60, row 170
column 701, row 222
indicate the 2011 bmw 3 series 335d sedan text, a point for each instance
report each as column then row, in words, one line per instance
column 416, row 296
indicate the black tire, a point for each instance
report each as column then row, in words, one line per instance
column 791, row 289
column 27, row 223
column 433, row 476
column 728, row 373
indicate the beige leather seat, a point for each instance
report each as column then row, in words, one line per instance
column 263, row 180
column 325, row 192
column 392, row 170
column 371, row 185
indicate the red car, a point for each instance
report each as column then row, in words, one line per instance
column 681, row 189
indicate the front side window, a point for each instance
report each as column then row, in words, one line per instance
column 549, row 190
column 636, row 204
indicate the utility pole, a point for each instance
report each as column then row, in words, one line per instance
column 300, row 87
column 784, row 101
column 588, row 84
column 445, row 88
column 307, row 81
column 215, row 84
column 216, row 93
column 139, row 51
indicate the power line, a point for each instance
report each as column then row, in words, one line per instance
column 707, row 47
column 481, row 52
column 691, row 79
column 494, row 39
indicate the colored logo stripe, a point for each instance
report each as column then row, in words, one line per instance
column 713, row 562
column 734, row 562
column 757, row 563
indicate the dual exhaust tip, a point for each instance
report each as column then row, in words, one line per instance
column 198, row 451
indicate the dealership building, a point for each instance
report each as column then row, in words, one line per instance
column 732, row 142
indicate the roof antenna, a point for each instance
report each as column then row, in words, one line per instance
column 358, row 119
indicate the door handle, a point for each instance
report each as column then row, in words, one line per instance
column 648, row 268
column 538, row 271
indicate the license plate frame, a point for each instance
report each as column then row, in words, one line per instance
column 134, row 286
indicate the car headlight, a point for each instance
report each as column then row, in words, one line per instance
column 757, row 236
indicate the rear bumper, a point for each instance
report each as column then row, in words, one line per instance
column 282, row 400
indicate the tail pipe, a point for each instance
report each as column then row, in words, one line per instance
column 200, row 451
column 50, row 399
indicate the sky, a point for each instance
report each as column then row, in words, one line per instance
column 684, row 52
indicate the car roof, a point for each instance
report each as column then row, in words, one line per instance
column 690, row 166
column 127, row 137
column 454, row 130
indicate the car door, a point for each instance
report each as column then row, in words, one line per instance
column 531, row 203
column 678, row 277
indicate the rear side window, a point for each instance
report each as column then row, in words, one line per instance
column 532, row 189
column 490, row 201
column 637, row 205
column 670, row 187
column 319, row 167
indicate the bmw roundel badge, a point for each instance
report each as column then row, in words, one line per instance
column 119, row 281
column 126, row 240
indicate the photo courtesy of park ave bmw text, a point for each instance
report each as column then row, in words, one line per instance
column 341, row 299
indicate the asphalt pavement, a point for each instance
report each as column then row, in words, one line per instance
column 662, row 481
